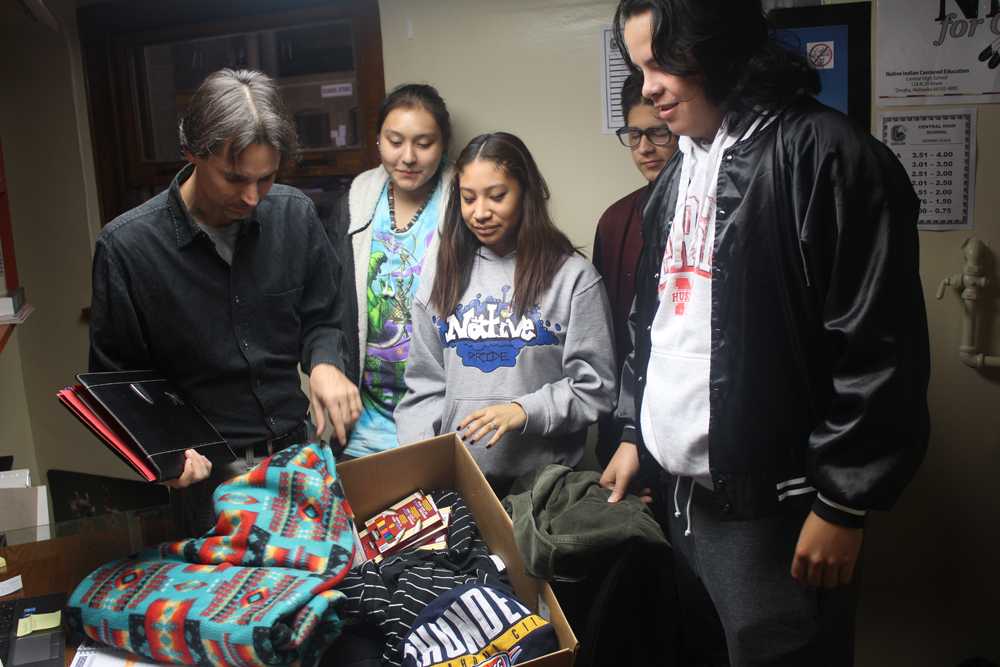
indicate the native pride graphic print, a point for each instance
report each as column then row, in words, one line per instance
column 687, row 260
column 487, row 334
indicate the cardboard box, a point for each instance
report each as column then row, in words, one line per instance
column 374, row 482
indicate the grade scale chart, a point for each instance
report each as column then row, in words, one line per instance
column 938, row 151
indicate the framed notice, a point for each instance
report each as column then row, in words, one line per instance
column 938, row 150
column 938, row 52
column 614, row 71
column 836, row 40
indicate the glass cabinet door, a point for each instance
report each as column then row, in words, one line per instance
column 313, row 64
column 145, row 58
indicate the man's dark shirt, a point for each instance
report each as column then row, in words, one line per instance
column 229, row 337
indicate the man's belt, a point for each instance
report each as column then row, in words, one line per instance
column 272, row 445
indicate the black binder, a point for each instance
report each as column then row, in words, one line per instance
column 145, row 420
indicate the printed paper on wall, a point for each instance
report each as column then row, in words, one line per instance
column 938, row 150
column 938, row 51
column 614, row 71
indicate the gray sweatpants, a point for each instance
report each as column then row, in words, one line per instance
column 740, row 570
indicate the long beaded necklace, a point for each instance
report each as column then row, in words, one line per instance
column 416, row 216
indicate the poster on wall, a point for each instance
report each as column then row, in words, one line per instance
column 614, row 71
column 938, row 150
column 938, row 51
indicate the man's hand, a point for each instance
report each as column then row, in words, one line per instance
column 826, row 553
column 621, row 471
column 330, row 392
column 498, row 418
column 196, row 469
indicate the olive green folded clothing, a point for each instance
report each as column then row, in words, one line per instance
column 563, row 522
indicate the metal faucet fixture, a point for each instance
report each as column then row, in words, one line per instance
column 969, row 283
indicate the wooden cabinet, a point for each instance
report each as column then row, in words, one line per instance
column 143, row 60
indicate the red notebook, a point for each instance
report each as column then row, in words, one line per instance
column 144, row 420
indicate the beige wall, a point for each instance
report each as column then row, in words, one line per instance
column 53, row 213
column 531, row 67
column 15, row 425
column 930, row 563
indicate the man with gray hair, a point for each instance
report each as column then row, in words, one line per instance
column 225, row 283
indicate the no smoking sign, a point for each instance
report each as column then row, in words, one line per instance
column 820, row 54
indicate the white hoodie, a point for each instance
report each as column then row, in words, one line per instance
column 675, row 429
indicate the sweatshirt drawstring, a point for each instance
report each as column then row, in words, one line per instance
column 687, row 530
column 687, row 508
column 677, row 485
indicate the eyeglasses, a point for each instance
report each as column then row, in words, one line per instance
column 632, row 136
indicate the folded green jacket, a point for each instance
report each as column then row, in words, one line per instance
column 564, row 523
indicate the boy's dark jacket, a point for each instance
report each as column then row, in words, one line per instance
column 819, row 350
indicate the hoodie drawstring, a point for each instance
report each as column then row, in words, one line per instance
column 687, row 508
column 677, row 484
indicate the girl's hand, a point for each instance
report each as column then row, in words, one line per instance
column 498, row 418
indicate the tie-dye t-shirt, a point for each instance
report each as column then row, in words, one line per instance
column 393, row 276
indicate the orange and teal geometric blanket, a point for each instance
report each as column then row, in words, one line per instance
column 258, row 589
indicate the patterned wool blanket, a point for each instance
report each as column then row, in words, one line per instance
column 258, row 589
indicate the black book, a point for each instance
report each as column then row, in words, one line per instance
column 145, row 420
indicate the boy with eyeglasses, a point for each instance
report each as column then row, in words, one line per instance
column 618, row 240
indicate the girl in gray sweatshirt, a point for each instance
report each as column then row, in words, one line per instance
column 512, row 341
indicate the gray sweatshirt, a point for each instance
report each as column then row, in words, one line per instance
column 556, row 361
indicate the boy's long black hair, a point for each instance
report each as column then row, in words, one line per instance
column 729, row 44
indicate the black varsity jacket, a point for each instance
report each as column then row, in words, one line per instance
column 819, row 349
